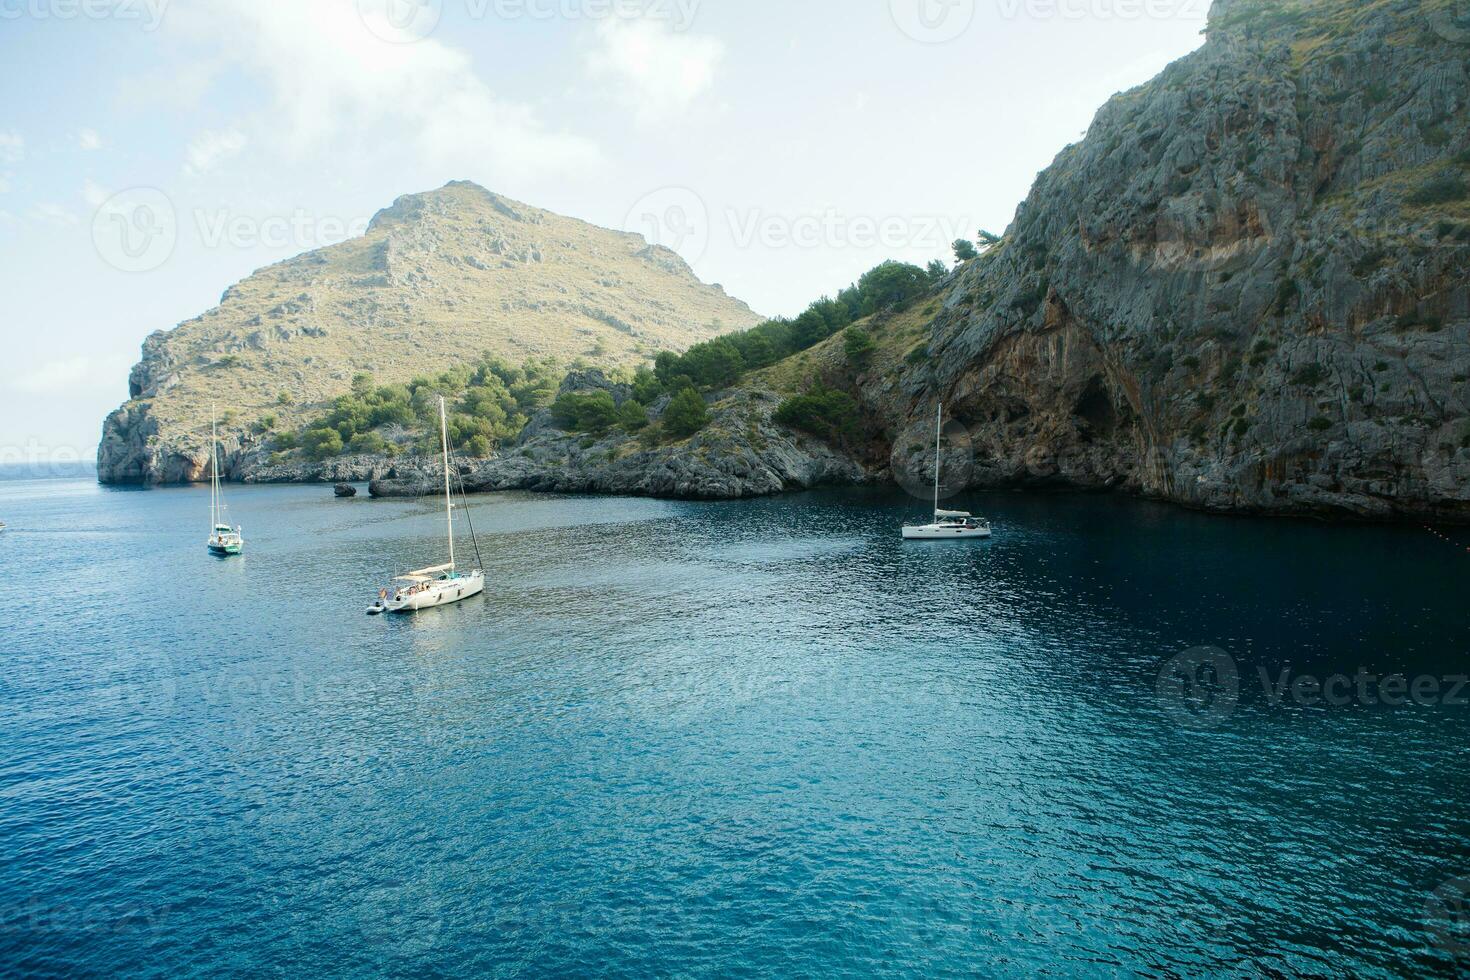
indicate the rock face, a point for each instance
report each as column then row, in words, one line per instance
column 740, row 454
column 1248, row 287
column 345, row 490
column 439, row 278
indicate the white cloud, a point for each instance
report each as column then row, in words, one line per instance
column 54, row 214
column 12, row 146
column 338, row 83
column 89, row 139
column 94, row 193
column 210, row 148
column 55, row 376
column 658, row 71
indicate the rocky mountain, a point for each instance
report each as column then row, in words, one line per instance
column 1246, row 289
column 438, row 279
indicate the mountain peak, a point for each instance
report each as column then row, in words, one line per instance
column 439, row 278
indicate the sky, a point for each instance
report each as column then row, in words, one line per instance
column 153, row 152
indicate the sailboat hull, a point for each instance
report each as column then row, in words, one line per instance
column 225, row 550
column 442, row 593
column 939, row 532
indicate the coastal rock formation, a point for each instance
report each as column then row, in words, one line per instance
column 1245, row 289
column 742, row 453
column 439, row 278
column 345, row 491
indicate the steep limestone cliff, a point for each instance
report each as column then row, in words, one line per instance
column 1246, row 288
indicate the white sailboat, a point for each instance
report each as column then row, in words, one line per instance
column 442, row 585
column 224, row 540
column 949, row 525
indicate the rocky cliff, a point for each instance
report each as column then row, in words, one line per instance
column 741, row 453
column 438, row 279
column 1246, row 288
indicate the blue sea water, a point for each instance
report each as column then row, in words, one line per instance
column 759, row 738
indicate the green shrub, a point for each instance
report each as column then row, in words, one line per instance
column 322, row 443
column 1310, row 376
column 1286, row 291
column 859, row 346
column 632, row 416
column 286, row 441
column 368, row 444
column 824, row 412
column 1445, row 187
column 964, row 250
column 686, row 414
column 285, row 398
column 1320, row 424
column 1435, row 135
column 591, row 412
column 918, row 355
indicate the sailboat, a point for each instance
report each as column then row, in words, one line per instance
column 224, row 540
column 949, row 525
column 442, row 585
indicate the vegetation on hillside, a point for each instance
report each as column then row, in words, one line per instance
column 491, row 401
column 823, row 412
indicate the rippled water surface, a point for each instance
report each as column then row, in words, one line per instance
column 714, row 739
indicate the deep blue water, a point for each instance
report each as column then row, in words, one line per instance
column 762, row 738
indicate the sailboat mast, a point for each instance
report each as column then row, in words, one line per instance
column 448, row 500
column 938, row 436
column 213, row 471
